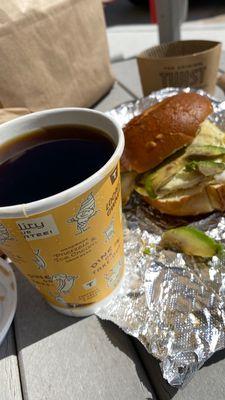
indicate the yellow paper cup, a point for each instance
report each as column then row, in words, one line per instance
column 70, row 245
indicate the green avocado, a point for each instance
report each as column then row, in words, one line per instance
column 206, row 168
column 185, row 179
column 149, row 186
column 155, row 180
column 190, row 241
column 204, row 151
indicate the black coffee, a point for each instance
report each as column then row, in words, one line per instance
column 50, row 160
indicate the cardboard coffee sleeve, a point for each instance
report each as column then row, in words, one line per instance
column 53, row 53
column 191, row 63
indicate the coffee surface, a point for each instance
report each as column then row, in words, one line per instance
column 49, row 160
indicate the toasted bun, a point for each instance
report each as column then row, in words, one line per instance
column 216, row 194
column 162, row 129
column 196, row 201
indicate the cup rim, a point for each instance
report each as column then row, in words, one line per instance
column 213, row 44
column 58, row 199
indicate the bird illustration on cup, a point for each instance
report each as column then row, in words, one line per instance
column 64, row 282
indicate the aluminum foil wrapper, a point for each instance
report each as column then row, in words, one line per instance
column 172, row 303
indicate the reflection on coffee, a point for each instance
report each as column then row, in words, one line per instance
column 47, row 161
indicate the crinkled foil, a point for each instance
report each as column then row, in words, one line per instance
column 172, row 303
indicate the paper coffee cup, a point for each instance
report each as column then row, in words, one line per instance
column 70, row 245
column 192, row 63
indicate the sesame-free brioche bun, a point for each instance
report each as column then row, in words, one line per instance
column 163, row 129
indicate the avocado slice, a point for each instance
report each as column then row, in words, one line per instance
column 155, row 180
column 141, row 190
column 149, row 186
column 204, row 151
column 183, row 180
column 190, row 241
column 207, row 168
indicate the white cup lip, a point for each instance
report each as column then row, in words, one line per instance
column 48, row 203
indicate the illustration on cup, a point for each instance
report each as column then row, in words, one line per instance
column 89, row 284
column 64, row 282
column 109, row 232
column 39, row 260
column 86, row 211
column 113, row 276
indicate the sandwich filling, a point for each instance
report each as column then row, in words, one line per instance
column 202, row 163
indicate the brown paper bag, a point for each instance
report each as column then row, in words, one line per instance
column 185, row 63
column 6, row 114
column 53, row 53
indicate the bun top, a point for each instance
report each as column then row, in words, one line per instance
column 163, row 129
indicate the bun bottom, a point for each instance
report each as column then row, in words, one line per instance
column 192, row 202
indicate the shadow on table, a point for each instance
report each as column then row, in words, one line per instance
column 124, row 343
column 7, row 347
column 218, row 356
column 36, row 320
column 161, row 387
